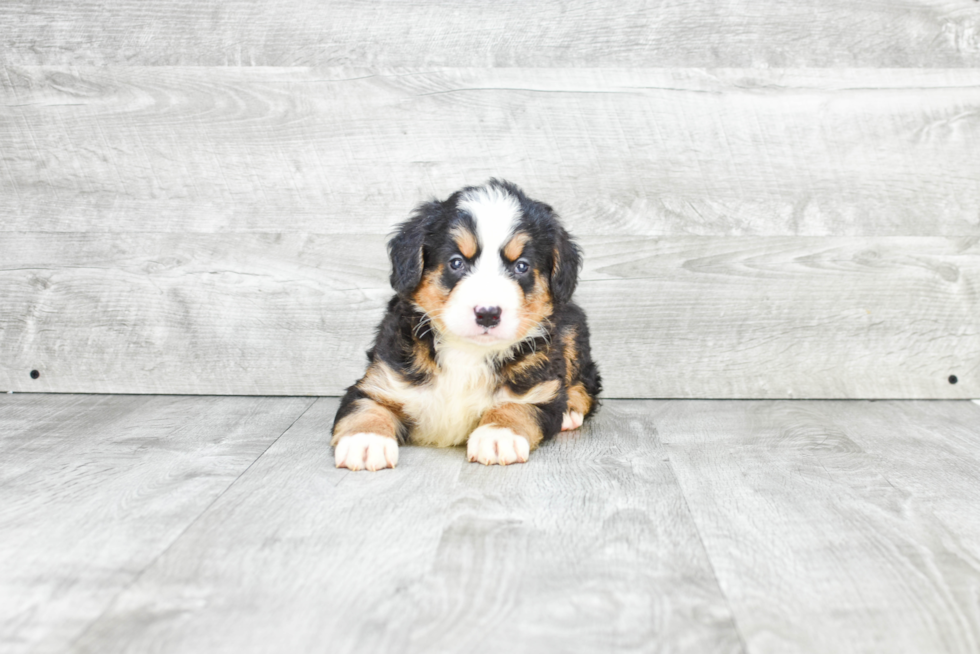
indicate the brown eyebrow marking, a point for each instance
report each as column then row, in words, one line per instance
column 515, row 246
column 465, row 240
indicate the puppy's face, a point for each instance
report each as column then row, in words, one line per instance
column 487, row 266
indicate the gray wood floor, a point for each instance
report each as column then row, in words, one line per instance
column 218, row 524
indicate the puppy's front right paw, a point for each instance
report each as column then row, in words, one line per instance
column 366, row 452
column 492, row 445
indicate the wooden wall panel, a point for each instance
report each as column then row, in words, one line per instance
column 776, row 200
column 786, row 317
column 617, row 151
column 757, row 33
column 682, row 316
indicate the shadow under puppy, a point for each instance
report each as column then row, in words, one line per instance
column 481, row 343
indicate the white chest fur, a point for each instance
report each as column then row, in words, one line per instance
column 447, row 409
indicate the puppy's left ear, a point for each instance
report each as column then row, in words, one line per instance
column 405, row 249
column 566, row 262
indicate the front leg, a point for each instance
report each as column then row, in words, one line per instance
column 365, row 435
column 507, row 434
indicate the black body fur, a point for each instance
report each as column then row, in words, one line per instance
column 406, row 343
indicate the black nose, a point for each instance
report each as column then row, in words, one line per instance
column 487, row 316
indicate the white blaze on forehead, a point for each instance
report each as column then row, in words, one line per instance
column 495, row 212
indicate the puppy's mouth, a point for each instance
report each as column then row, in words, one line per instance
column 492, row 337
column 487, row 337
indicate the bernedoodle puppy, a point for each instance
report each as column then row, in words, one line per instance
column 481, row 344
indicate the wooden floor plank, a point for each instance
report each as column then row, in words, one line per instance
column 686, row 316
column 297, row 556
column 94, row 488
column 649, row 151
column 128, row 526
column 931, row 450
column 807, row 33
column 815, row 548
column 586, row 548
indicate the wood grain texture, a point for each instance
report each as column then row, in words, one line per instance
column 548, row 33
column 292, row 314
column 815, row 548
column 785, row 317
column 617, row 151
column 931, row 452
column 202, row 524
column 301, row 557
column 94, row 488
column 586, row 548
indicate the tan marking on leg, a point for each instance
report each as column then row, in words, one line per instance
column 571, row 354
column 522, row 367
column 465, row 240
column 383, row 385
column 515, row 246
column 368, row 417
column 519, row 418
column 579, row 399
column 539, row 394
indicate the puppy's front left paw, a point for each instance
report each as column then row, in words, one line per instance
column 490, row 444
column 370, row 451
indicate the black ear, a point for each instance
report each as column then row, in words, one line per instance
column 405, row 249
column 567, row 259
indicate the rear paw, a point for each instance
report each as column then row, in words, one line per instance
column 366, row 452
column 491, row 445
column 571, row 420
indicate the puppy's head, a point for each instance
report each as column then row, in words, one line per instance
column 488, row 265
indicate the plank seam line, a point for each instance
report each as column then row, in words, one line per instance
column 152, row 562
column 707, row 555
column 627, row 90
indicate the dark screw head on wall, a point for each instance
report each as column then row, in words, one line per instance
column 35, row 374
column 953, row 379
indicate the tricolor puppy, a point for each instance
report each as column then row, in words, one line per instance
column 481, row 344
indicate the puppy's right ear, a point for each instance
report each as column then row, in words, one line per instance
column 405, row 249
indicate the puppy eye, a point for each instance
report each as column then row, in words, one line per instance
column 521, row 266
column 456, row 262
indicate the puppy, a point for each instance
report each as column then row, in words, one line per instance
column 481, row 343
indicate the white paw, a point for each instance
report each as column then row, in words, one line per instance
column 489, row 445
column 571, row 420
column 366, row 451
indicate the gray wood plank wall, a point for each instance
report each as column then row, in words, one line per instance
column 548, row 33
column 774, row 201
